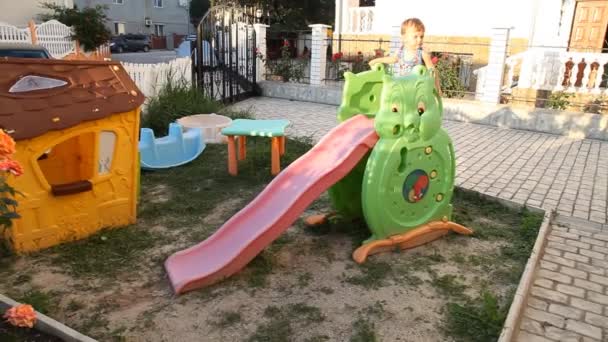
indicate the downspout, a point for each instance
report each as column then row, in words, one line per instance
column 531, row 40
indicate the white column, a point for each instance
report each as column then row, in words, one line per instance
column 260, row 45
column 339, row 18
column 318, row 62
column 496, row 65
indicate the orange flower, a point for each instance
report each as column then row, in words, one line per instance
column 12, row 166
column 7, row 144
column 22, row 315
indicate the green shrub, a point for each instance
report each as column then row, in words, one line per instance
column 175, row 100
column 449, row 79
column 559, row 100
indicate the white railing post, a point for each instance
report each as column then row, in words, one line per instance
column 573, row 77
column 496, row 64
column 318, row 61
column 598, row 77
column 260, row 48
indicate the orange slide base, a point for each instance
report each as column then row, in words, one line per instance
column 253, row 228
column 416, row 237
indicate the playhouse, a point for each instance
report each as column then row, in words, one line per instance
column 76, row 126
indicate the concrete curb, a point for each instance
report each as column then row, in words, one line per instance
column 525, row 283
column 48, row 325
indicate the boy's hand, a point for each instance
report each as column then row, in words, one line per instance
column 373, row 62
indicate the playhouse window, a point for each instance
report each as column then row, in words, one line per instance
column 70, row 161
column 107, row 142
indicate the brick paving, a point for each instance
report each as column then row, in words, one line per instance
column 569, row 298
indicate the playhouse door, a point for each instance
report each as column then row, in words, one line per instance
column 589, row 26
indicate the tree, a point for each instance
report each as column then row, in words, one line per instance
column 89, row 23
column 198, row 8
column 290, row 14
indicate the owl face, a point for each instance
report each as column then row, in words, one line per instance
column 410, row 107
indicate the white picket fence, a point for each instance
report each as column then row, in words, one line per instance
column 56, row 38
column 53, row 35
column 150, row 78
column 12, row 34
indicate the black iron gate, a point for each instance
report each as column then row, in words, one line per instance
column 224, row 58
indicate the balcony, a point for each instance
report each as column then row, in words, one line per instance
column 361, row 20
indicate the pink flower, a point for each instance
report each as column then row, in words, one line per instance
column 22, row 315
column 12, row 166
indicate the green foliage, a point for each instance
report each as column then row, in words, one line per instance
column 88, row 23
column 175, row 100
column 288, row 68
column 197, row 10
column 290, row 14
column 8, row 205
column 480, row 321
column 559, row 100
column 449, row 79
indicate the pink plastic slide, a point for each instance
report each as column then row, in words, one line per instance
column 253, row 228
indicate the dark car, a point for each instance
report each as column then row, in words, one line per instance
column 23, row 50
column 130, row 42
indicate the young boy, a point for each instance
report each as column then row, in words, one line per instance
column 411, row 52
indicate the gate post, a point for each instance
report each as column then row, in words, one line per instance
column 494, row 73
column 260, row 47
column 318, row 60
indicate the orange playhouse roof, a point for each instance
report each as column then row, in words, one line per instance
column 73, row 92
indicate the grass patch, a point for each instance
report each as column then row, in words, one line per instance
column 227, row 319
column 480, row 320
column 373, row 275
column 448, row 285
column 280, row 326
column 106, row 253
column 363, row 331
column 41, row 301
column 259, row 269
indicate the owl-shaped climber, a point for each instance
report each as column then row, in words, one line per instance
column 406, row 184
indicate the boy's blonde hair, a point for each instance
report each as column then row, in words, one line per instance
column 412, row 22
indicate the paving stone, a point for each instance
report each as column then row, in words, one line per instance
column 588, row 285
column 551, row 295
column 566, row 311
column 542, row 316
column 562, row 335
column 570, row 290
column 583, row 304
column 597, row 320
column 584, row 329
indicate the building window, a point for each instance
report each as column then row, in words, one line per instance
column 118, row 2
column 367, row 3
column 159, row 29
column 158, row 3
column 119, row 28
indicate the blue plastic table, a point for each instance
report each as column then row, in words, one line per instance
column 242, row 128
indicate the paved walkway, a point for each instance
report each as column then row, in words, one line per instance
column 569, row 299
column 537, row 169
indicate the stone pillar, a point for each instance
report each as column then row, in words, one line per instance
column 494, row 74
column 260, row 46
column 318, row 61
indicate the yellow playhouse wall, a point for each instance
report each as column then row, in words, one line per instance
column 48, row 220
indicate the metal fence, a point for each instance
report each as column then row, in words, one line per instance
column 288, row 56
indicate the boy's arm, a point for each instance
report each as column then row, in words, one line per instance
column 387, row 60
column 429, row 65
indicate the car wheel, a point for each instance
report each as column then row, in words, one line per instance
column 146, row 48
